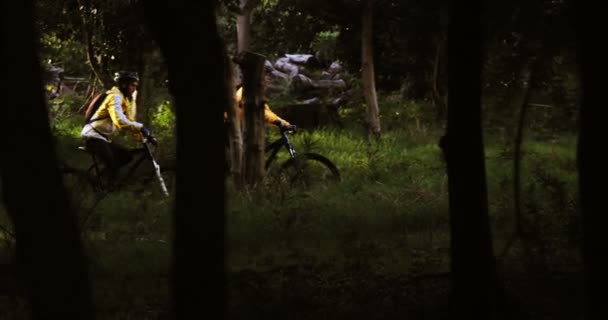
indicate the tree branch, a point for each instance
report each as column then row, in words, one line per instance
column 87, row 30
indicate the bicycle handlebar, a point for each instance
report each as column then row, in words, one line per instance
column 151, row 140
column 289, row 129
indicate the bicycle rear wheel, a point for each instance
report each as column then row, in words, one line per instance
column 309, row 170
column 85, row 193
column 81, row 185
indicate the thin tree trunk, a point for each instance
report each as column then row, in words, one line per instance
column 440, row 78
column 234, row 134
column 367, row 70
column 591, row 159
column 529, row 72
column 144, row 96
column 50, row 257
column 440, row 66
column 97, row 65
column 517, row 154
column 519, row 232
column 91, row 92
column 139, row 64
column 198, row 239
column 243, row 31
column 532, row 68
column 243, row 22
column 474, row 279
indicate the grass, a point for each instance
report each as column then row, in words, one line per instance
column 384, row 224
column 389, row 218
column 393, row 189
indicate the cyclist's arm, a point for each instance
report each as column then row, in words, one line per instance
column 271, row 117
column 119, row 118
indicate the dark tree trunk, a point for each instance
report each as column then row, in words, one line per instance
column 252, row 65
column 472, row 259
column 50, row 258
column 234, row 133
column 592, row 160
column 144, row 91
column 197, row 86
column 146, row 87
column 440, row 67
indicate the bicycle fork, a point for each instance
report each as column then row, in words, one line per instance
column 290, row 148
column 160, row 177
column 157, row 171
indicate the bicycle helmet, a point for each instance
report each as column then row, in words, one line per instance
column 126, row 75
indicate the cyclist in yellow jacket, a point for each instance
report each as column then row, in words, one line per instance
column 269, row 116
column 116, row 113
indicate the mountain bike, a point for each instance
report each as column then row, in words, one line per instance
column 304, row 170
column 89, row 185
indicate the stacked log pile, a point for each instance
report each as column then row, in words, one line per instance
column 318, row 90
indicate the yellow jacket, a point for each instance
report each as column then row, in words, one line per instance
column 114, row 114
column 269, row 116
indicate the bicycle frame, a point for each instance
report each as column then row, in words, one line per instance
column 145, row 152
column 312, row 164
column 275, row 146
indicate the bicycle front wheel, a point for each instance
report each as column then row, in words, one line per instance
column 163, row 184
column 309, row 170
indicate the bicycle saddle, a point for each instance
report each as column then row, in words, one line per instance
column 84, row 148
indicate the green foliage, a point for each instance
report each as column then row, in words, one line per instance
column 163, row 120
column 115, row 28
column 162, row 124
column 520, row 48
column 324, row 45
column 418, row 118
column 67, row 53
column 226, row 22
column 66, row 119
column 398, row 113
column 269, row 3
column 284, row 28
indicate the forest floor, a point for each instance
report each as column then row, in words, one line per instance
column 376, row 246
column 134, row 284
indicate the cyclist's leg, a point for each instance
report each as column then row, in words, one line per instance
column 122, row 155
column 104, row 152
